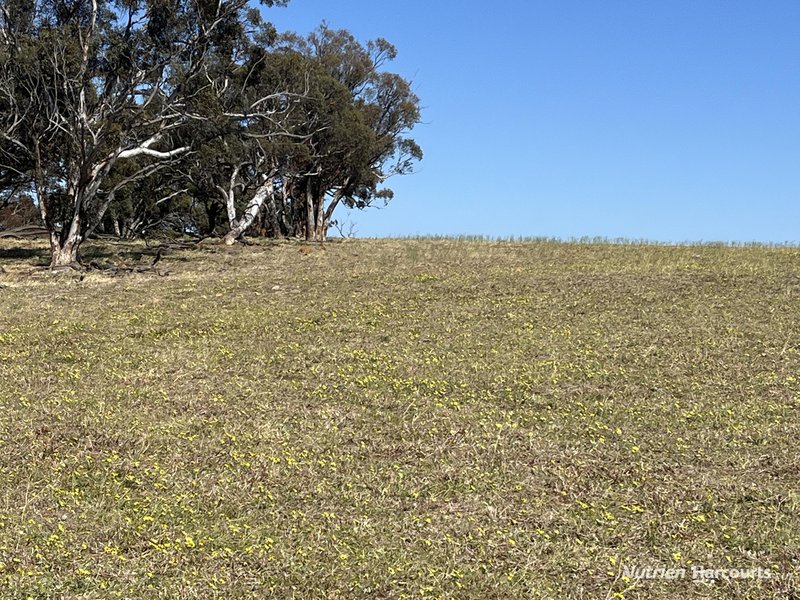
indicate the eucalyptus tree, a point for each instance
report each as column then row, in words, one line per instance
column 260, row 124
column 86, row 85
column 158, row 202
column 362, row 115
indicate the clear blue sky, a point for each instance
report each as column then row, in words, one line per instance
column 672, row 121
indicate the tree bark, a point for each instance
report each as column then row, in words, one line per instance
column 230, row 198
column 64, row 253
column 273, row 218
column 250, row 214
column 64, row 245
column 311, row 229
column 298, row 217
column 320, row 232
column 337, row 197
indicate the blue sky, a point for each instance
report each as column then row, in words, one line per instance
column 671, row 121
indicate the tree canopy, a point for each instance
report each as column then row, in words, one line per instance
column 127, row 116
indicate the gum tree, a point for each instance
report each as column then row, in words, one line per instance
column 86, row 85
column 363, row 115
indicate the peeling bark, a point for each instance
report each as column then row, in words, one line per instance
column 256, row 202
column 310, row 217
column 64, row 254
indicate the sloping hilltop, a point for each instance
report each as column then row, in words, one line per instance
column 401, row 419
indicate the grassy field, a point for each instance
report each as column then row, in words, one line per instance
column 400, row 419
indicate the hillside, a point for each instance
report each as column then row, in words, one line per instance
column 399, row 419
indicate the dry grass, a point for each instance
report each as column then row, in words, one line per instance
column 400, row 419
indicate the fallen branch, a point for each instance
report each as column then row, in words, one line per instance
column 25, row 231
column 117, row 270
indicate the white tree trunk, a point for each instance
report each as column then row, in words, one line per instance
column 311, row 225
column 256, row 202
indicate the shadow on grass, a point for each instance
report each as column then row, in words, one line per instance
column 40, row 257
column 25, row 254
column 123, row 252
column 94, row 252
column 37, row 254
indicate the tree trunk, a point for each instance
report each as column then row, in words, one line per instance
column 337, row 197
column 287, row 209
column 65, row 255
column 273, row 219
column 311, row 229
column 211, row 217
column 321, row 230
column 250, row 214
column 230, row 200
column 64, row 246
column 298, row 217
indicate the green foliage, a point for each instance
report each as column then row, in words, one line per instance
column 362, row 142
column 317, row 116
column 199, row 96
